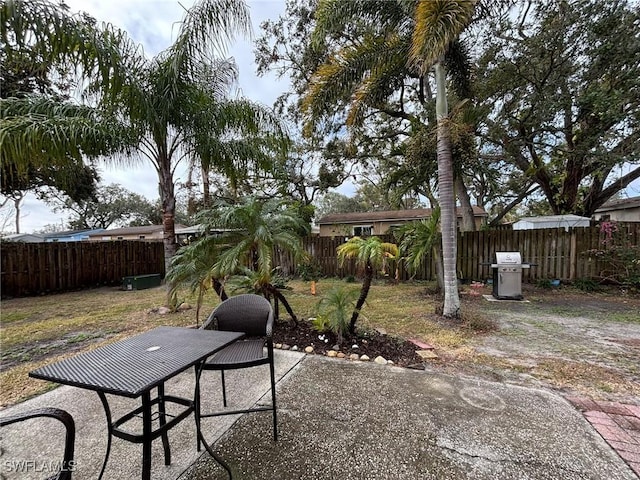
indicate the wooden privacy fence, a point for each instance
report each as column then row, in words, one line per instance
column 36, row 268
column 556, row 253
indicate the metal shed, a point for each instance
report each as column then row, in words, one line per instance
column 551, row 221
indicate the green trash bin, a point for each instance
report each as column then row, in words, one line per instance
column 140, row 282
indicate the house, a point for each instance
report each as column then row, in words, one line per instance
column 71, row 235
column 551, row 221
column 379, row 223
column 620, row 210
column 186, row 234
column 23, row 237
column 147, row 232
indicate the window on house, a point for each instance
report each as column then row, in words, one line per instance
column 120, row 238
column 141, row 237
column 362, row 230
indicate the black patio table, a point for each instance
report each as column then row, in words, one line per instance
column 133, row 368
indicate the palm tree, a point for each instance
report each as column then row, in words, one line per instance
column 193, row 265
column 370, row 253
column 174, row 106
column 437, row 24
column 254, row 229
column 419, row 240
column 363, row 76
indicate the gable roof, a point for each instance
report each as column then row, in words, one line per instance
column 389, row 215
column 73, row 233
column 620, row 204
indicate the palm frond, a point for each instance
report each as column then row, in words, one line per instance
column 437, row 24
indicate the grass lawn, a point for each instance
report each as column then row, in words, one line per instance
column 39, row 330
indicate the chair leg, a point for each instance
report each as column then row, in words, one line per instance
column 273, row 400
column 224, row 390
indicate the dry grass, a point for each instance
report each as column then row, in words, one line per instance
column 39, row 330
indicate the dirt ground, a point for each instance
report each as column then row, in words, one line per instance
column 564, row 339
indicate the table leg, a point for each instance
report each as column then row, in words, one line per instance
column 162, row 418
column 107, row 412
column 146, row 436
column 196, row 405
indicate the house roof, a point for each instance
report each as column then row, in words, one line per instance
column 23, row 237
column 388, row 215
column 146, row 229
column 620, row 204
column 73, row 233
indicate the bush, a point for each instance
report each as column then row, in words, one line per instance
column 543, row 283
column 309, row 270
column 334, row 311
column 618, row 256
column 586, row 284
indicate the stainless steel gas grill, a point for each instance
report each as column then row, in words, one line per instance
column 507, row 275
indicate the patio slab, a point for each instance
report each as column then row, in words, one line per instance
column 352, row 420
column 341, row 420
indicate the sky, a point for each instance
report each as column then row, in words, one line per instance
column 152, row 23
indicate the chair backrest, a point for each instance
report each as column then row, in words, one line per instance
column 66, row 419
column 248, row 313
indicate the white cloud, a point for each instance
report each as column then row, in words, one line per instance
column 152, row 23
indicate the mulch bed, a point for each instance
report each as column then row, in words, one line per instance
column 371, row 343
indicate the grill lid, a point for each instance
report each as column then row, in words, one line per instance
column 508, row 258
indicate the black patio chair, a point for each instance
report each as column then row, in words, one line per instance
column 252, row 315
column 69, row 425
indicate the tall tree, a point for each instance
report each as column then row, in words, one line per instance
column 174, row 106
column 560, row 82
column 368, row 76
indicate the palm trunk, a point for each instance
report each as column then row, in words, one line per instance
column 451, row 307
column 366, row 285
column 218, row 287
column 168, row 201
column 206, row 188
column 278, row 296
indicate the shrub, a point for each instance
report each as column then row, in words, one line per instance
column 309, row 270
column 334, row 311
column 586, row 284
column 543, row 283
column 618, row 256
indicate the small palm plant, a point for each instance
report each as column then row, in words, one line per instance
column 254, row 228
column 333, row 311
column 418, row 241
column 370, row 253
column 193, row 265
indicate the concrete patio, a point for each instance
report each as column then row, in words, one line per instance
column 340, row 420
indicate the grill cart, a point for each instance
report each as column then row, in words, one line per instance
column 507, row 275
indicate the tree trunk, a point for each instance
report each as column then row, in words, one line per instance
column 280, row 297
column 468, row 223
column 168, row 202
column 206, row 188
column 366, row 285
column 16, row 206
column 451, row 307
column 436, row 251
column 218, row 287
